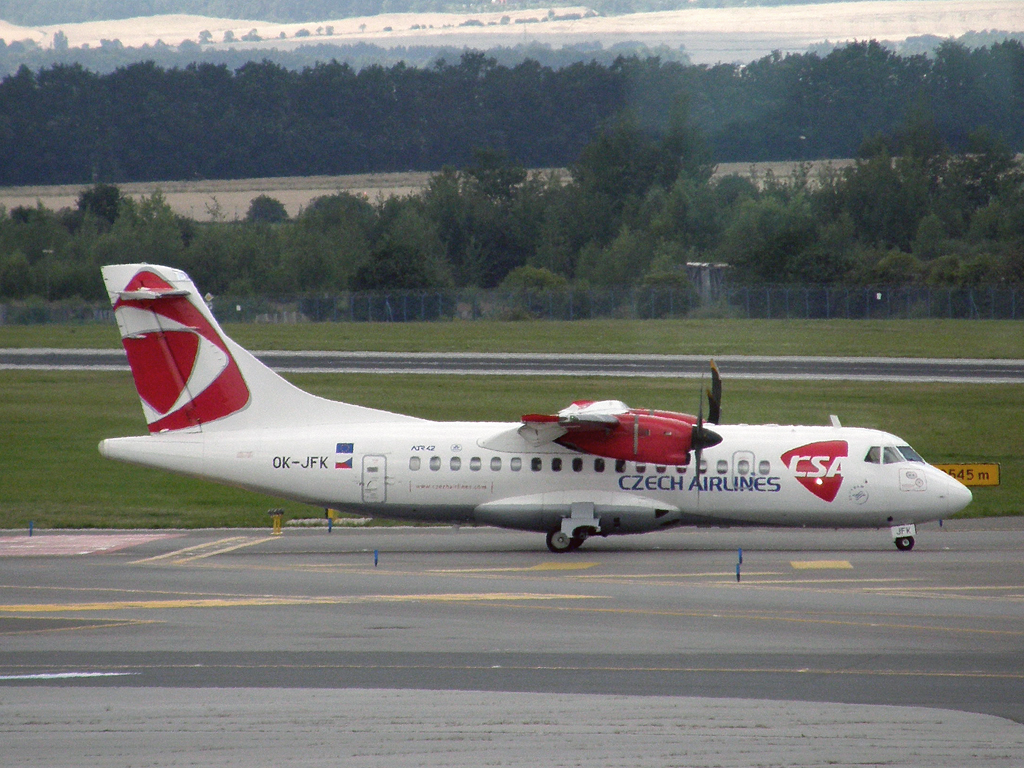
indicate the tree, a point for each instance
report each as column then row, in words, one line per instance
column 408, row 254
column 494, row 175
column 266, row 210
column 527, row 278
column 775, row 241
column 102, row 201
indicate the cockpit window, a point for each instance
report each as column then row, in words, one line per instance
column 874, row 455
column 910, row 454
column 891, row 456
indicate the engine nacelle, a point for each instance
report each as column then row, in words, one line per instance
column 660, row 438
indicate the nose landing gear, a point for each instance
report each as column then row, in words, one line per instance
column 903, row 536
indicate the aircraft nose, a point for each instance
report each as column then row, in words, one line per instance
column 958, row 495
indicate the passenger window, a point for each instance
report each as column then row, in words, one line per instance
column 891, row 456
column 577, row 465
column 456, row 464
column 414, row 463
column 535, row 464
column 722, row 466
column 620, row 466
column 764, row 467
column 681, row 470
column 874, row 455
column 659, row 470
column 641, row 468
column 496, row 464
column 435, row 463
column 599, row 465
column 556, row 465
column 742, row 467
column 474, row 464
column 515, row 464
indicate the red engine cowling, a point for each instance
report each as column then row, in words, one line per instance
column 650, row 437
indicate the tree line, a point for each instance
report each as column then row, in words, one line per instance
column 111, row 55
column 636, row 208
column 66, row 124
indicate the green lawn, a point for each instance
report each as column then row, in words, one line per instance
column 53, row 475
column 884, row 338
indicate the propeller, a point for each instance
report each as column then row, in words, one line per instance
column 715, row 396
column 701, row 437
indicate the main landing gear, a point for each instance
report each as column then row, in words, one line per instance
column 558, row 541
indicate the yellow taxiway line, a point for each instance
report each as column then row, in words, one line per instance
column 207, row 549
column 529, row 569
column 820, row 565
column 265, row 600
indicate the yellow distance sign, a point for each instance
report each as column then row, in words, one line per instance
column 972, row 474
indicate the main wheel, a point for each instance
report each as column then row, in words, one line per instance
column 577, row 541
column 905, row 543
column 559, row 542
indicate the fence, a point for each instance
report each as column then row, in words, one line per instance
column 752, row 302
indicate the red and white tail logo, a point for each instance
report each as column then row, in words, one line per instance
column 182, row 367
column 818, row 467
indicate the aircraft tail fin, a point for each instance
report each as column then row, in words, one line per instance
column 190, row 375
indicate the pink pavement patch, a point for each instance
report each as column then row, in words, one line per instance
column 75, row 543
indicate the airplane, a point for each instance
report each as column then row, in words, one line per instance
column 593, row 469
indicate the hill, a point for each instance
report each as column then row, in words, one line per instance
column 709, row 35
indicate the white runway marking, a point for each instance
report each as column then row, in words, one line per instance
column 64, row 675
column 74, row 543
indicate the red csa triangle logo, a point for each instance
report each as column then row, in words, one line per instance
column 183, row 369
column 818, row 467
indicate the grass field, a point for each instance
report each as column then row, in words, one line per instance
column 858, row 338
column 53, row 475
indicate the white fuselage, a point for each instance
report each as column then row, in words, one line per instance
column 488, row 473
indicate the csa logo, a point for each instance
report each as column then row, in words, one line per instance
column 818, row 467
column 183, row 370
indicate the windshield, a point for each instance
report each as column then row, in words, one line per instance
column 889, row 454
column 910, row 454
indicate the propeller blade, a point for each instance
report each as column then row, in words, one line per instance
column 700, row 436
column 715, row 396
column 695, row 444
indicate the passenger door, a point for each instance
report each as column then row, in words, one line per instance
column 375, row 479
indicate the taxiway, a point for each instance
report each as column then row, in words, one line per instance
column 472, row 646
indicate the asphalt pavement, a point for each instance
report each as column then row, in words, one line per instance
column 475, row 646
column 549, row 364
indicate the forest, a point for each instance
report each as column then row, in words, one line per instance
column 67, row 124
column 935, row 197
column 636, row 208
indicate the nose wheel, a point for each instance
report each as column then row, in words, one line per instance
column 905, row 543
